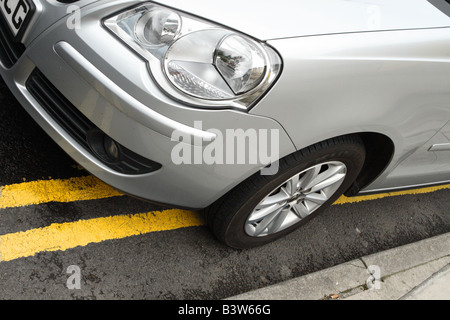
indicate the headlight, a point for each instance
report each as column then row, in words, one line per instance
column 195, row 61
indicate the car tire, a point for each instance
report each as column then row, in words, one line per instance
column 243, row 218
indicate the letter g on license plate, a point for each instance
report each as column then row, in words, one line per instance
column 17, row 13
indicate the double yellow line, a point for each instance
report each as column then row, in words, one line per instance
column 42, row 191
column 63, row 236
column 69, row 235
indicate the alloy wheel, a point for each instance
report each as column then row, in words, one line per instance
column 295, row 199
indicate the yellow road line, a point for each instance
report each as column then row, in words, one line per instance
column 60, row 237
column 345, row 200
column 42, row 191
column 91, row 188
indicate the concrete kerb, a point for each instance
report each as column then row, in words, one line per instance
column 398, row 273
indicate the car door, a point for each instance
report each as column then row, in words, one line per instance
column 430, row 164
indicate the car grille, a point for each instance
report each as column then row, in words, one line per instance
column 10, row 50
column 80, row 128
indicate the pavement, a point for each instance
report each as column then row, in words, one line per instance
column 417, row 271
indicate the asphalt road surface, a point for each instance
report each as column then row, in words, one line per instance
column 55, row 248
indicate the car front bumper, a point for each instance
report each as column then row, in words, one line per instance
column 112, row 87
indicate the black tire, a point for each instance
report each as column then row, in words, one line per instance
column 227, row 217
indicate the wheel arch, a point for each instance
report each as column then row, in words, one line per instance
column 379, row 153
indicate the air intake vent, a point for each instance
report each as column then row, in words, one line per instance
column 82, row 130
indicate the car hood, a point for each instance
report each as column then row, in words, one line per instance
column 264, row 19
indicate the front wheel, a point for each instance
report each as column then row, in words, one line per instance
column 264, row 208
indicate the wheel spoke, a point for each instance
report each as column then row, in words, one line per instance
column 277, row 223
column 319, row 198
column 292, row 185
column 328, row 182
column 278, row 198
column 309, row 177
column 266, row 221
column 301, row 210
column 262, row 214
column 330, row 176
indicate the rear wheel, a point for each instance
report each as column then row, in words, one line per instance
column 264, row 208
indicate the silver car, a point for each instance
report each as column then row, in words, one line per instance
column 259, row 113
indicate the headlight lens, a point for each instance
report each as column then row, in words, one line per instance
column 157, row 27
column 195, row 61
column 241, row 63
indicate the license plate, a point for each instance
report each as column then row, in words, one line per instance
column 17, row 14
